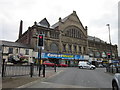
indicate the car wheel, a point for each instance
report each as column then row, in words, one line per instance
column 80, row 67
column 114, row 86
column 91, row 68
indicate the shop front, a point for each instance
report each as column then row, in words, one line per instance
column 69, row 59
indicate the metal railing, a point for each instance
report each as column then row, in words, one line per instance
column 113, row 69
column 23, row 70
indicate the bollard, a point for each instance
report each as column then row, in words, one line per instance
column 55, row 67
column 3, row 68
column 39, row 70
column 43, row 70
column 31, row 69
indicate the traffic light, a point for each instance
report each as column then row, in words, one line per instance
column 40, row 39
column 109, row 55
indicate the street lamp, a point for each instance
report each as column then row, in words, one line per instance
column 110, row 44
column 109, row 40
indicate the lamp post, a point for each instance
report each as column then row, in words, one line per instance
column 110, row 44
column 109, row 40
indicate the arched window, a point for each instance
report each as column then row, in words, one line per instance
column 64, row 47
column 75, row 48
column 74, row 32
column 54, row 47
column 70, row 48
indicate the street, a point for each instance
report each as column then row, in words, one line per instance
column 72, row 77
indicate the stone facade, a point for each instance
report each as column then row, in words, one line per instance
column 67, row 36
column 100, row 49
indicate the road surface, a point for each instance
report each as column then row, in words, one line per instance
column 73, row 77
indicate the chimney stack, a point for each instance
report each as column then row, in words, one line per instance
column 60, row 20
column 20, row 28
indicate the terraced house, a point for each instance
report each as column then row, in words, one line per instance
column 15, row 52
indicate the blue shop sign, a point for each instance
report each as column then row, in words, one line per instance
column 62, row 56
column 115, row 61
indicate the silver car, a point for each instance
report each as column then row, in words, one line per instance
column 116, row 82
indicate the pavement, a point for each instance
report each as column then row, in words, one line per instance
column 21, row 81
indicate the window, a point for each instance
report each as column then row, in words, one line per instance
column 17, row 50
column 84, row 49
column 27, row 52
column 54, row 35
column 80, row 49
column 70, row 48
column 73, row 32
column 54, row 47
column 10, row 50
column 75, row 48
column 64, row 47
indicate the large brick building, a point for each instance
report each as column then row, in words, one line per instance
column 99, row 50
column 67, row 40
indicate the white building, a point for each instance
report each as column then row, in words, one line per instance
column 16, row 50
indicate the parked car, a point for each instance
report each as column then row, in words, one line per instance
column 62, row 65
column 86, row 65
column 48, row 63
column 116, row 82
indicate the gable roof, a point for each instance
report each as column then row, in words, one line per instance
column 44, row 22
column 64, row 19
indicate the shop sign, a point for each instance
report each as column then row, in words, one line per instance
column 103, row 54
column 54, row 55
column 78, row 57
column 97, row 54
column 62, row 56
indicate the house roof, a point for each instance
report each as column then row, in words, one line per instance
column 13, row 44
column 64, row 19
column 44, row 23
column 95, row 38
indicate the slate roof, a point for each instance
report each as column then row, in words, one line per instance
column 95, row 38
column 44, row 23
column 62, row 20
column 13, row 44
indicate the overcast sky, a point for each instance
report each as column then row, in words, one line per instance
column 92, row 13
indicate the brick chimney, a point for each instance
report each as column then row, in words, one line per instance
column 20, row 28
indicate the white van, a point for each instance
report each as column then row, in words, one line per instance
column 83, row 64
